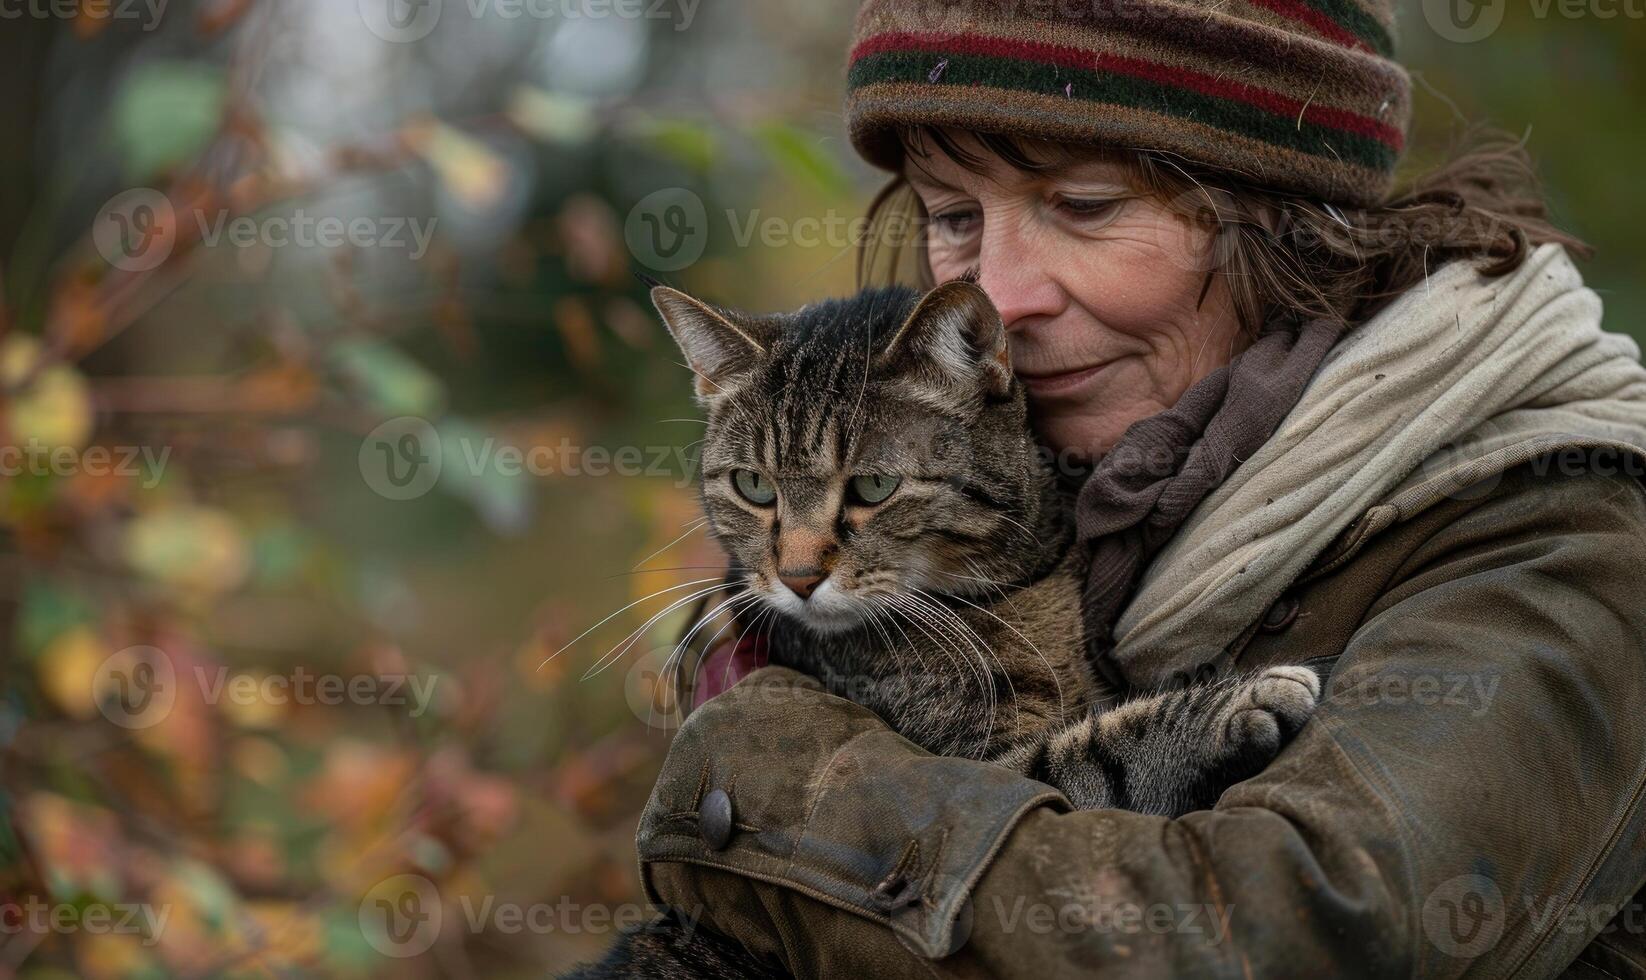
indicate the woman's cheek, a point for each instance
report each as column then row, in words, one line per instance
column 1130, row 283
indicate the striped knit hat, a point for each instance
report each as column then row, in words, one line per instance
column 1296, row 95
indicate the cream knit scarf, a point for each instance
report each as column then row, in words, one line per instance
column 1457, row 380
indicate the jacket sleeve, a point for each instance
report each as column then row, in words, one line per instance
column 1489, row 829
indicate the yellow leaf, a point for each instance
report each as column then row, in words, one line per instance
column 54, row 410
column 195, row 548
column 68, row 670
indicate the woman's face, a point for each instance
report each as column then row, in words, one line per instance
column 1100, row 288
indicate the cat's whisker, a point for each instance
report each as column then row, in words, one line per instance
column 926, row 684
column 990, row 585
column 1056, row 681
column 591, row 629
column 877, row 603
column 983, row 645
column 933, row 612
column 729, row 606
column 615, row 654
column 1017, row 524
column 732, row 607
column 689, row 531
column 670, row 568
column 919, row 619
column 999, row 586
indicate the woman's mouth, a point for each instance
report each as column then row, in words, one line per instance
column 1061, row 382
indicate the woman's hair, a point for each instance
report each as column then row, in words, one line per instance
column 1282, row 255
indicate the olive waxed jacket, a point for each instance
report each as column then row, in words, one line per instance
column 1468, row 800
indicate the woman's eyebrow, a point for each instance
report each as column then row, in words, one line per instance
column 922, row 179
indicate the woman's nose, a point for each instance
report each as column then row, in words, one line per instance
column 1012, row 270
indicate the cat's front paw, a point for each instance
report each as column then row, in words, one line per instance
column 1270, row 709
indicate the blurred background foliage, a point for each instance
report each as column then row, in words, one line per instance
column 260, row 547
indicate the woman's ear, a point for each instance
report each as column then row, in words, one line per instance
column 954, row 338
column 718, row 347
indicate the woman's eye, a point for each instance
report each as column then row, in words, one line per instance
column 754, row 488
column 1087, row 210
column 954, row 225
column 873, row 489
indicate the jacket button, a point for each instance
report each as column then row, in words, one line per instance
column 714, row 819
column 1281, row 614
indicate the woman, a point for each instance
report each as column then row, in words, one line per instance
column 1383, row 435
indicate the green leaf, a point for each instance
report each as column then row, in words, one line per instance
column 390, row 381
column 165, row 113
column 692, row 144
column 48, row 611
column 797, row 154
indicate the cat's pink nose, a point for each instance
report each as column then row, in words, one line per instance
column 801, row 584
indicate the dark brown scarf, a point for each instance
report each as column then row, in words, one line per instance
column 1165, row 465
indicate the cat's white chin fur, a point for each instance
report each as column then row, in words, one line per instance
column 827, row 611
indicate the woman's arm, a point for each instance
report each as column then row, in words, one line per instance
column 1396, row 836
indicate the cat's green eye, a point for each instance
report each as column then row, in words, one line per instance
column 873, row 489
column 755, row 488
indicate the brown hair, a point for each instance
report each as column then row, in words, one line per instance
column 1282, row 255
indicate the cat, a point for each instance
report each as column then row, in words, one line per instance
column 870, row 469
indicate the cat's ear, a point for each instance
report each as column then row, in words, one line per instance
column 718, row 345
column 954, row 338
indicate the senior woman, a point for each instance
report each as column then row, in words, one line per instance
column 1377, row 432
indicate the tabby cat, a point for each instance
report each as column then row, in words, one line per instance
column 870, row 469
